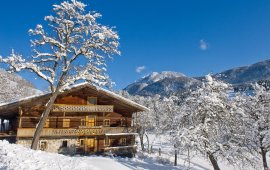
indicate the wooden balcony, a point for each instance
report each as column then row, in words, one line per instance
column 52, row 132
column 120, row 147
column 82, row 108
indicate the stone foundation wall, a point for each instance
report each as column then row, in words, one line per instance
column 53, row 145
column 73, row 147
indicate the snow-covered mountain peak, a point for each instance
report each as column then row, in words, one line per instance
column 168, row 82
column 161, row 83
column 157, row 76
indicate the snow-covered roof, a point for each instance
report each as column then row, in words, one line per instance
column 14, row 104
column 23, row 99
column 110, row 93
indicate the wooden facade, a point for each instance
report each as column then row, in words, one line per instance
column 84, row 120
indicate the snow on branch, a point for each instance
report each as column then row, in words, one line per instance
column 71, row 36
column 17, row 63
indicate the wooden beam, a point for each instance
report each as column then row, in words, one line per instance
column 20, row 117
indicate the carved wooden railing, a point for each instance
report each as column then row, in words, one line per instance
column 51, row 132
column 82, row 108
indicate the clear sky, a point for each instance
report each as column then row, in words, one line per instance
column 188, row 36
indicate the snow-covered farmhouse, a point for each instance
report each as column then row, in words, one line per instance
column 84, row 120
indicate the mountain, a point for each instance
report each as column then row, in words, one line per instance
column 247, row 74
column 14, row 87
column 167, row 83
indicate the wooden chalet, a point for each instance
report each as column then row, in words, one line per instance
column 84, row 120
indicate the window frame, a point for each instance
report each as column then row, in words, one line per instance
column 107, row 120
column 123, row 141
column 45, row 142
column 107, row 141
column 66, row 123
column 83, row 122
column 123, row 122
column 93, row 123
column 47, row 123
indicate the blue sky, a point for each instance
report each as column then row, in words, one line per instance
column 188, row 36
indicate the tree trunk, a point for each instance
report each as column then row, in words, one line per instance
column 148, row 146
column 175, row 157
column 42, row 121
column 47, row 111
column 141, row 140
column 188, row 158
column 263, row 153
column 213, row 161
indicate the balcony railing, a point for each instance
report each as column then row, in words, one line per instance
column 82, row 108
column 120, row 147
column 51, row 132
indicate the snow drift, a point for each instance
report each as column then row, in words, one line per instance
column 17, row 157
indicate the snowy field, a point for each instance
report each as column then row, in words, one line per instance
column 195, row 162
column 17, row 157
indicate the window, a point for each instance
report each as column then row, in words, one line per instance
column 91, row 122
column 106, row 122
column 123, row 141
column 81, row 142
column 64, row 144
column 47, row 123
column 43, row 145
column 66, row 122
column 83, row 122
column 107, row 142
column 92, row 100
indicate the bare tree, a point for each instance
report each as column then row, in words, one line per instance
column 73, row 47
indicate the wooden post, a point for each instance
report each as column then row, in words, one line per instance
column 136, row 119
column 103, row 117
column 20, row 118
column 2, row 125
column 96, row 143
column 85, row 145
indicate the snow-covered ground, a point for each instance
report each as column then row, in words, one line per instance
column 17, row 157
column 196, row 161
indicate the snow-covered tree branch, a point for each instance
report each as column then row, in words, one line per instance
column 211, row 124
column 256, row 110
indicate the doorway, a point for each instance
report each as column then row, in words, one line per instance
column 90, row 145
